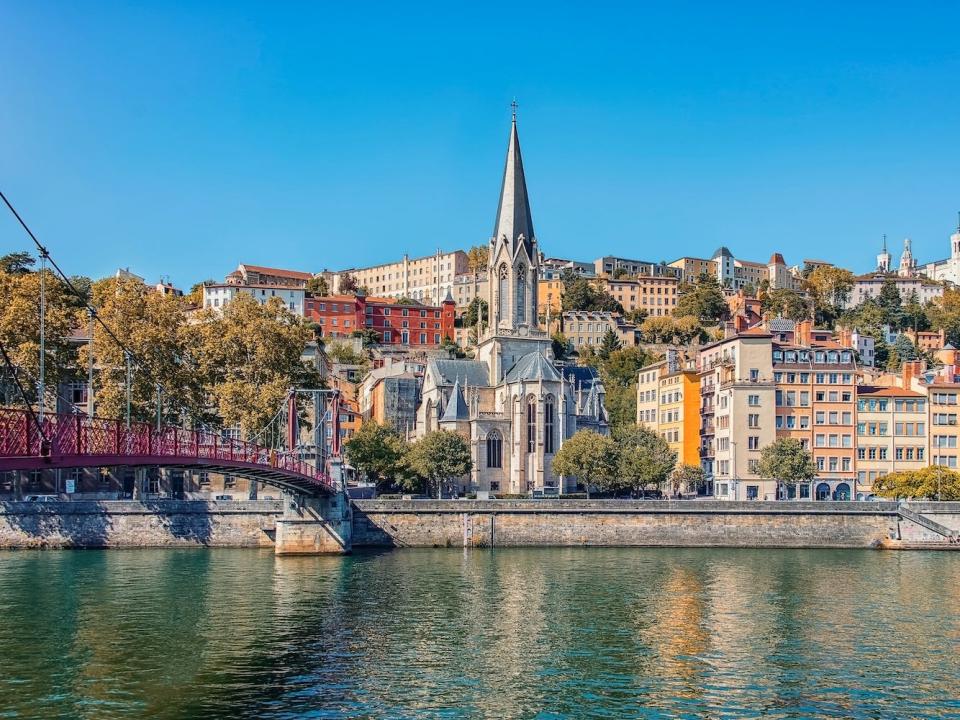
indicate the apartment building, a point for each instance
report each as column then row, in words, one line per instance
column 610, row 265
column 413, row 324
column 587, row 327
column 869, row 286
column 217, row 296
column 736, row 274
column 816, row 379
column 550, row 295
column 426, row 279
column 468, row 286
column 892, row 431
column 668, row 402
column 655, row 294
column 737, row 413
column 256, row 275
column 944, row 429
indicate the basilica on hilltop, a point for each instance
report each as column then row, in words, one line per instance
column 514, row 403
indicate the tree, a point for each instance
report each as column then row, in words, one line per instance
column 829, row 289
column 702, row 299
column 929, row 483
column 890, row 302
column 318, row 286
column 249, row 356
column 689, row 478
column 438, row 457
column 902, row 350
column 348, row 284
column 153, row 327
column 657, row 329
column 17, row 263
column 787, row 462
column 476, row 311
column 944, row 312
column 195, row 294
column 589, row 457
column 644, row 458
column 636, row 316
column 914, row 314
column 377, row 451
column 687, row 329
column 560, row 345
column 579, row 294
column 369, row 336
column 783, row 302
column 344, row 353
column 609, row 343
column 477, row 258
column 20, row 329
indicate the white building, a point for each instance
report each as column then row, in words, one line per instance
column 869, row 286
column 218, row 295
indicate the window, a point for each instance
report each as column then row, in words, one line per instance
column 754, row 400
column 531, row 425
column 753, row 442
column 753, row 421
column 548, row 423
column 494, row 449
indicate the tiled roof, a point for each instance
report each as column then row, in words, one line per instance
column 873, row 390
column 293, row 274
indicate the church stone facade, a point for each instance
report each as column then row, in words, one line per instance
column 513, row 403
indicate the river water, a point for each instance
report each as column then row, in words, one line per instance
column 524, row 633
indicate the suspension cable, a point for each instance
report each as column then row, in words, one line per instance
column 16, row 381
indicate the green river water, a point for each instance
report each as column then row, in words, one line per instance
column 509, row 633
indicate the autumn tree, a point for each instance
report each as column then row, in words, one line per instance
column 688, row 478
column 933, row 482
column 702, row 299
column 249, row 356
column 477, row 258
column 829, row 289
column 318, row 286
column 194, row 296
column 589, row 457
column 436, row 459
column 786, row 303
column 944, row 312
column 153, row 327
column 20, row 327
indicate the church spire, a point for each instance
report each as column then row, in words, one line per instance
column 513, row 212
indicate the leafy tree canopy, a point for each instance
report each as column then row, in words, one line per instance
column 787, row 462
column 437, row 458
column 589, row 457
column 378, row 452
column 929, row 483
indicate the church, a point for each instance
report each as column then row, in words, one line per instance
column 514, row 403
column 946, row 270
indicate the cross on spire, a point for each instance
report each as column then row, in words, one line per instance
column 514, row 105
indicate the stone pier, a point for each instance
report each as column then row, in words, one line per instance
column 315, row 526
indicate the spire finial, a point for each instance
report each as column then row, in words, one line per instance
column 513, row 106
column 884, row 242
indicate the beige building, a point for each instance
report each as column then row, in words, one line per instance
column 587, row 327
column 426, row 279
column 468, row 286
column 737, row 414
column 655, row 294
column 734, row 273
column 891, row 433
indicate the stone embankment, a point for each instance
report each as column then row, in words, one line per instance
column 494, row 523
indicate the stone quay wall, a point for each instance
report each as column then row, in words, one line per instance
column 689, row 523
column 128, row 524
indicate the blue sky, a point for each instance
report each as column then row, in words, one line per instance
column 181, row 139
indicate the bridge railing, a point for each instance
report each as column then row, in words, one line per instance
column 80, row 435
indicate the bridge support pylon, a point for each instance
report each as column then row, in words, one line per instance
column 319, row 525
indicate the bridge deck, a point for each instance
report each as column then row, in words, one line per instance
column 71, row 441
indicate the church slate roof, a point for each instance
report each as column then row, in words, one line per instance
column 583, row 375
column 457, row 406
column 470, row 372
column 533, row 366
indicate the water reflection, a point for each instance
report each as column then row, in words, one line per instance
column 491, row 634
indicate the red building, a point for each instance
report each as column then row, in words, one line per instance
column 395, row 323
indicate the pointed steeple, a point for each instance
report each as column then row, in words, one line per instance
column 457, row 405
column 513, row 213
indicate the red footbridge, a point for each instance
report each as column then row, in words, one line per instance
column 77, row 441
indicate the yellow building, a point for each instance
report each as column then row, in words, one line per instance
column 692, row 268
column 655, row 294
column 550, row 296
column 668, row 402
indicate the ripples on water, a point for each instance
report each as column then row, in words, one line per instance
column 533, row 633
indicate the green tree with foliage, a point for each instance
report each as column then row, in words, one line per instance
column 914, row 314
column 828, row 288
column 560, row 345
column 318, row 286
column 688, row 478
column 901, row 351
column 580, row 294
column 436, row 459
column 194, row 296
column 702, row 299
column 378, row 452
column 891, row 303
column 476, row 311
column 368, row 336
column 786, row 303
column 17, row 263
column 609, row 343
column 589, row 457
column 788, row 462
column 644, row 459
column 933, row 482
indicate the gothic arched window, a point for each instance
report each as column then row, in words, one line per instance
column 503, row 293
column 548, row 424
column 531, row 424
column 521, row 303
column 494, row 449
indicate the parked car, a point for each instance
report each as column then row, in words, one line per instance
column 41, row 498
